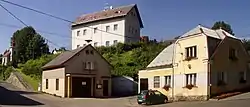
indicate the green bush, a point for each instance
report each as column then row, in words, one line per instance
column 128, row 59
column 33, row 68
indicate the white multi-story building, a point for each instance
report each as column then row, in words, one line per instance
column 107, row 27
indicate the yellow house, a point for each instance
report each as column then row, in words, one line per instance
column 82, row 72
column 201, row 63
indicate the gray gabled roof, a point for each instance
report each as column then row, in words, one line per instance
column 219, row 34
column 164, row 58
column 63, row 57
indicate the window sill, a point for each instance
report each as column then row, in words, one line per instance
column 190, row 87
column 189, row 59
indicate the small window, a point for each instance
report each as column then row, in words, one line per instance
column 191, row 79
column 78, row 46
column 84, row 44
column 95, row 30
column 167, row 80
column 84, row 31
column 232, row 54
column 92, row 52
column 78, row 33
column 156, row 81
column 47, row 84
column 242, row 77
column 57, row 84
column 87, row 52
column 115, row 27
column 191, row 52
column 107, row 28
column 221, row 80
column 107, row 43
column 115, row 42
column 95, row 44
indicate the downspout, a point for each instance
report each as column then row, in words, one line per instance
column 173, row 58
column 209, row 79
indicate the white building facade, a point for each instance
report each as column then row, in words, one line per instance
column 107, row 27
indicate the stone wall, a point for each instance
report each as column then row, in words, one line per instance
column 16, row 79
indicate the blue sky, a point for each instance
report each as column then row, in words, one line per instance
column 163, row 19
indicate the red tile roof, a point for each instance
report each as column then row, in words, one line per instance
column 106, row 14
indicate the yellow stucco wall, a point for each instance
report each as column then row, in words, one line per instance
column 221, row 62
column 149, row 74
column 198, row 66
column 52, row 75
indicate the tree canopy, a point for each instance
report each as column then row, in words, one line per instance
column 224, row 26
column 28, row 44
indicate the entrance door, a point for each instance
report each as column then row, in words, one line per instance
column 143, row 84
column 105, row 87
column 81, row 87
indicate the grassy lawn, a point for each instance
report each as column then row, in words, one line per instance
column 32, row 81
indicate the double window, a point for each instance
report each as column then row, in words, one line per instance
column 232, row 54
column 89, row 65
column 191, row 79
column 222, row 78
column 191, row 52
column 115, row 42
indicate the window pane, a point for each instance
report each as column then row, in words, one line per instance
column 195, row 51
column 107, row 28
column 187, row 78
column 115, row 27
column 194, row 79
column 187, row 53
column 107, row 43
column 57, row 84
column 95, row 30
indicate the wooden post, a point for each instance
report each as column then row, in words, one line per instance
column 69, row 88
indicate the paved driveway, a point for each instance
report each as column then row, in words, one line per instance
column 11, row 96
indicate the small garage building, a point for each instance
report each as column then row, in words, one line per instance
column 82, row 72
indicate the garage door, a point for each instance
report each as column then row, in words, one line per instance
column 81, row 87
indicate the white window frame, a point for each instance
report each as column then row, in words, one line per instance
column 167, row 80
column 191, row 52
column 107, row 43
column 191, row 79
column 84, row 32
column 107, row 28
column 95, row 44
column 157, row 80
column 115, row 27
column 115, row 42
column 78, row 33
column 95, row 30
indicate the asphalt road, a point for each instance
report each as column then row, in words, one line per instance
column 11, row 96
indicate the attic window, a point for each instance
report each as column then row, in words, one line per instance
column 87, row 52
column 92, row 52
column 119, row 11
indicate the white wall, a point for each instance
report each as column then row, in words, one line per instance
column 100, row 36
column 122, row 34
column 52, row 75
